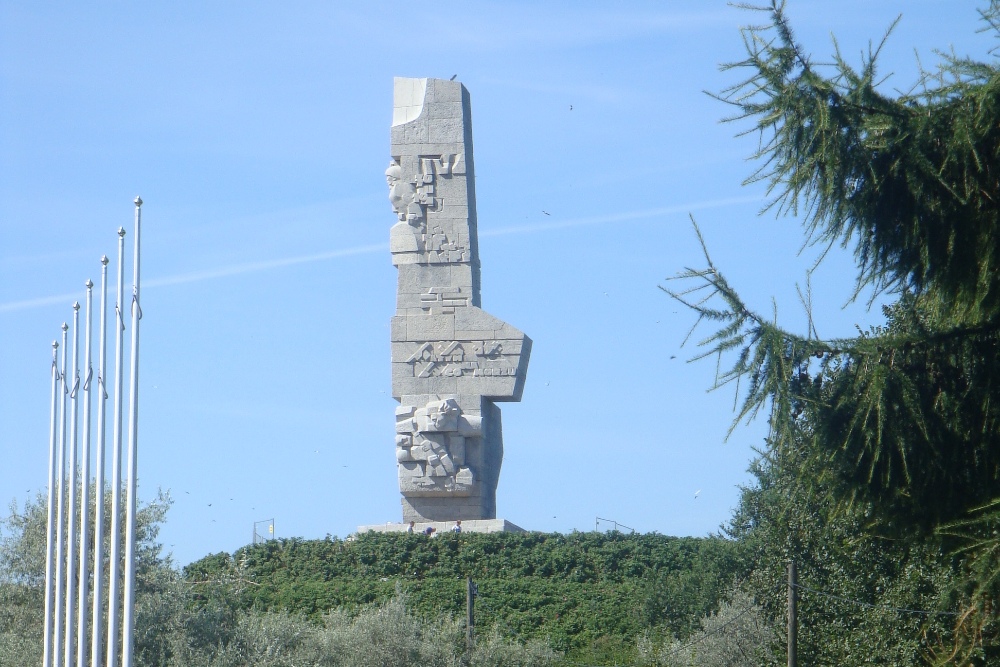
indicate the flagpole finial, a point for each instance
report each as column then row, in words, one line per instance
column 65, row 327
column 104, row 260
column 138, row 202
column 89, row 284
column 121, row 231
column 76, row 305
column 55, row 345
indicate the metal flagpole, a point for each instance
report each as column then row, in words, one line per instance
column 71, row 490
column 51, row 509
column 60, row 492
column 129, row 602
column 84, row 578
column 116, row 469
column 95, row 644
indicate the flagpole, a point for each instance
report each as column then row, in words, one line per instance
column 60, row 519
column 95, row 644
column 84, row 578
column 50, row 509
column 116, row 468
column 71, row 513
column 129, row 602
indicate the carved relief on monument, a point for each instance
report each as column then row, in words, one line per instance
column 443, row 300
column 412, row 196
column 450, row 359
column 431, row 449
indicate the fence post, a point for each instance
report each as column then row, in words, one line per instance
column 792, row 615
column 470, row 621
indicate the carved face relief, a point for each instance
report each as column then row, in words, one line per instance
column 401, row 193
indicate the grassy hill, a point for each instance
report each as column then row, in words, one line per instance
column 589, row 594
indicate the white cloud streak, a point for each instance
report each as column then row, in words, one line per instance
column 254, row 267
column 14, row 306
column 267, row 265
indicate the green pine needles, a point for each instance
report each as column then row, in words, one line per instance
column 902, row 420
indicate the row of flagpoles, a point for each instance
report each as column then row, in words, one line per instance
column 66, row 591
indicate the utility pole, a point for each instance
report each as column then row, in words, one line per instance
column 471, row 591
column 793, row 582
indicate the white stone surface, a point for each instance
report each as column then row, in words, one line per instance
column 451, row 360
column 408, row 99
column 468, row 526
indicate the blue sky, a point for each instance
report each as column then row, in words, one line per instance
column 257, row 134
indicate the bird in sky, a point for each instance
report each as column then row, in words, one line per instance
column 571, row 107
column 546, row 213
column 696, row 493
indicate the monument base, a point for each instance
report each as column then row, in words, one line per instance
column 468, row 526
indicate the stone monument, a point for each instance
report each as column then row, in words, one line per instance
column 451, row 361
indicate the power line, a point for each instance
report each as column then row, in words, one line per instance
column 902, row 610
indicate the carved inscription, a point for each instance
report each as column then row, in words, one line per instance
column 449, row 359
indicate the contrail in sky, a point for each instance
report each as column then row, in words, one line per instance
column 253, row 267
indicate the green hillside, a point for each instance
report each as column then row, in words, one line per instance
column 589, row 594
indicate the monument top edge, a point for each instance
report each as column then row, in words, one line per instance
column 410, row 93
column 424, row 79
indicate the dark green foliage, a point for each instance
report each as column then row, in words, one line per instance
column 907, row 413
column 591, row 593
column 895, row 430
column 911, row 181
column 780, row 519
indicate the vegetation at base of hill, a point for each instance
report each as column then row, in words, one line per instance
column 179, row 627
column 590, row 595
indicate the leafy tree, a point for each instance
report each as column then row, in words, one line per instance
column 739, row 634
column 22, row 581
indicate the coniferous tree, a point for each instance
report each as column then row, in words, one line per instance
column 900, row 423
